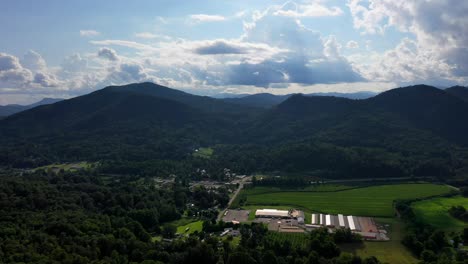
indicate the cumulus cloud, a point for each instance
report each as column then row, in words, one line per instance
column 45, row 79
column 108, row 53
column 89, row 33
column 33, row 61
column 127, row 73
column 74, row 63
column 201, row 18
column 352, row 45
column 310, row 58
column 439, row 27
column 12, row 72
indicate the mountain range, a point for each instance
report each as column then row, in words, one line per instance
column 147, row 121
column 6, row 110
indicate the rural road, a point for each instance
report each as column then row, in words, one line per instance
column 241, row 185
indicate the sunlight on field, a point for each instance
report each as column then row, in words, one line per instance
column 435, row 212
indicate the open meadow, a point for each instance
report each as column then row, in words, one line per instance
column 435, row 212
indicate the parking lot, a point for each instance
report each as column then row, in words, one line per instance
column 236, row 215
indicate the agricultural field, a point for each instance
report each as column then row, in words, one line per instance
column 204, row 153
column 375, row 201
column 296, row 239
column 387, row 251
column 435, row 212
column 67, row 166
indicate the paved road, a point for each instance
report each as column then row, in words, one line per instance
column 241, row 185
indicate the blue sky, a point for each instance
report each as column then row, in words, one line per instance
column 56, row 48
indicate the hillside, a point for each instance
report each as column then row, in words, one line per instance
column 395, row 133
column 458, row 91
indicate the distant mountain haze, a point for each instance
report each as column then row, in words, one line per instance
column 6, row 110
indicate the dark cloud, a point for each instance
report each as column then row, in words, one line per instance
column 108, row 53
column 219, row 47
column 45, row 80
column 293, row 70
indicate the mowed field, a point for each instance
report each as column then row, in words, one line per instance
column 374, row 201
column 192, row 227
column 435, row 212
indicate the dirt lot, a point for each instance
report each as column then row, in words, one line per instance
column 236, row 215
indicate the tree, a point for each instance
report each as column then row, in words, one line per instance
column 168, row 231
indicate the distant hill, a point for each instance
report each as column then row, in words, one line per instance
column 266, row 100
column 7, row 110
column 405, row 131
column 458, row 91
column 356, row 95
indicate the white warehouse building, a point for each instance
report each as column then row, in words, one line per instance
column 272, row 213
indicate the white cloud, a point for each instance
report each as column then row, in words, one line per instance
column 440, row 30
column 352, row 44
column 125, row 43
column 146, row 35
column 310, row 9
column 201, row 18
column 89, row 33
column 12, row 73
column 33, row 61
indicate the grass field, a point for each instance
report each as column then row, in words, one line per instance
column 67, row 166
column 392, row 251
column 194, row 226
column 367, row 201
column 204, row 153
column 296, row 239
column 435, row 212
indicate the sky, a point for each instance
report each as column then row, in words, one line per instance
column 62, row 49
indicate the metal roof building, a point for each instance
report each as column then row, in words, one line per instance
column 272, row 213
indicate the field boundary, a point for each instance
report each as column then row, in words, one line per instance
column 342, row 190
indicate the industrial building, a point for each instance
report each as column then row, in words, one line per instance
column 272, row 213
column 336, row 221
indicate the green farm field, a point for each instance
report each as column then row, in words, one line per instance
column 374, row 201
column 204, row 153
column 435, row 212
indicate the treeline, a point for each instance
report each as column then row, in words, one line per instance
column 428, row 244
column 79, row 218
column 459, row 212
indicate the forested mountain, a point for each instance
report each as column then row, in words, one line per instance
column 407, row 131
column 459, row 91
column 266, row 100
column 6, row 110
